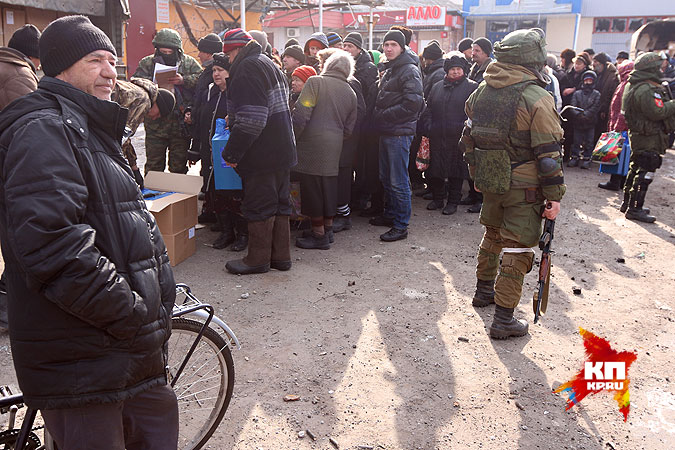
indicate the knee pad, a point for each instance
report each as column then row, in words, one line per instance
column 520, row 263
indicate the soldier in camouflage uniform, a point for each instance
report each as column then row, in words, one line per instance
column 170, row 132
column 512, row 140
column 650, row 116
column 141, row 97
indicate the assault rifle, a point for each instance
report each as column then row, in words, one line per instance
column 541, row 295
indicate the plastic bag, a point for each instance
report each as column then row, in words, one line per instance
column 608, row 148
column 423, row 155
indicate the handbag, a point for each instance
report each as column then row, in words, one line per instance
column 608, row 148
column 423, row 155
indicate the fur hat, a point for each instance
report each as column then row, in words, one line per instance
column 304, row 72
column 340, row 61
column 407, row 32
column 456, row 59
column 585, row 58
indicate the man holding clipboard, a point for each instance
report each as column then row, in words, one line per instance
column 171, row 69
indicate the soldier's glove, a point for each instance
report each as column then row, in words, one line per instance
column 138, row 177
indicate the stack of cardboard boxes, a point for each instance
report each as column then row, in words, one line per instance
column 175, row 210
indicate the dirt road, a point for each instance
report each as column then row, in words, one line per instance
column 367, row 334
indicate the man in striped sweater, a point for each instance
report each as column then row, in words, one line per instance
column 261, row 148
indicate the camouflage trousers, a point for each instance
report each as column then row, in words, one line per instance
column 512, row 227
column 157, row 140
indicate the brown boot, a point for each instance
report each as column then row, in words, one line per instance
column 281, row 244
column 259, row 249
column 485, row 293
column 505, row 325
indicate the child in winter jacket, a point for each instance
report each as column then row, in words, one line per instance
column 588, row 99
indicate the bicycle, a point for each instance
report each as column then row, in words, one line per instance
column 200, row 369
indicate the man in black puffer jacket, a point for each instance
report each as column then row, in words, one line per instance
column 398, row 106
column 89, row 281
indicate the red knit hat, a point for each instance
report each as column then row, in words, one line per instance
column 235, row 38
column 304, row 72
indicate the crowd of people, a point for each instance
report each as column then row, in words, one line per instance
column 85, row 259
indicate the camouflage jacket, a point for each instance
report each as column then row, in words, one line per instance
column 649, row 113
column 188, row 67
column 534, row 134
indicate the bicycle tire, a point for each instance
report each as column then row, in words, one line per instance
column 210, row 367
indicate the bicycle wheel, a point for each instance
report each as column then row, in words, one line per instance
column 204, row 389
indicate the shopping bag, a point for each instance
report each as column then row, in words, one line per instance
column 608, row 148
column 423, row 155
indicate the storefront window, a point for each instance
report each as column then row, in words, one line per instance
column 602, row 25
column 635, row 24
column 618, row 25
column 499, row 27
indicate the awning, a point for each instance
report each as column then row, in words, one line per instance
column 87, row 7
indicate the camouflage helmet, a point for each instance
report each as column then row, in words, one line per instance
column 649, row 62
column 523, row 47
column 167, row 38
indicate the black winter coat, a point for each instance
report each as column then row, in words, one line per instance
column 432, row 75
column 261, row 132
column 589, row 101
column 89, row 281
column 400, row 98
column 366, row 72
column 201, row 114
column 442, row 122
column 572, row 79
column 350, row 145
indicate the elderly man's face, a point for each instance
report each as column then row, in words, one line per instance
column 478, row 55
column 94, row 74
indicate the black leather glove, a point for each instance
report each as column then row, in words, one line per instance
column 138, row 177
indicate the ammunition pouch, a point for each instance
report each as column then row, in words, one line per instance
column 493, row 171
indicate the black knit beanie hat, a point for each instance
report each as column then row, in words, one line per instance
column 291, row 41
column 211, row 43
column 165, row 102
column 355, row 38
column 67, row 40
column 465, row 44
column 602, row 57
column 222, row 60
column 484, row 45
column 25, row 40
column 396, row 36
column 433, row 51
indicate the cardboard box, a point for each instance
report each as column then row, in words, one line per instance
column 175, row 211
column 180, row 246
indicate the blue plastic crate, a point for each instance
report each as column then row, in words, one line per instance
column 224, row 175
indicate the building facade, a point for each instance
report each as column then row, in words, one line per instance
column 577, row 24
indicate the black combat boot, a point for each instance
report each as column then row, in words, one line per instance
column 505, row 325
column 241, row 226
column 635, row 210
column 614, row 183
column 485, row 293
column 227, row 235
column 626, row 201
